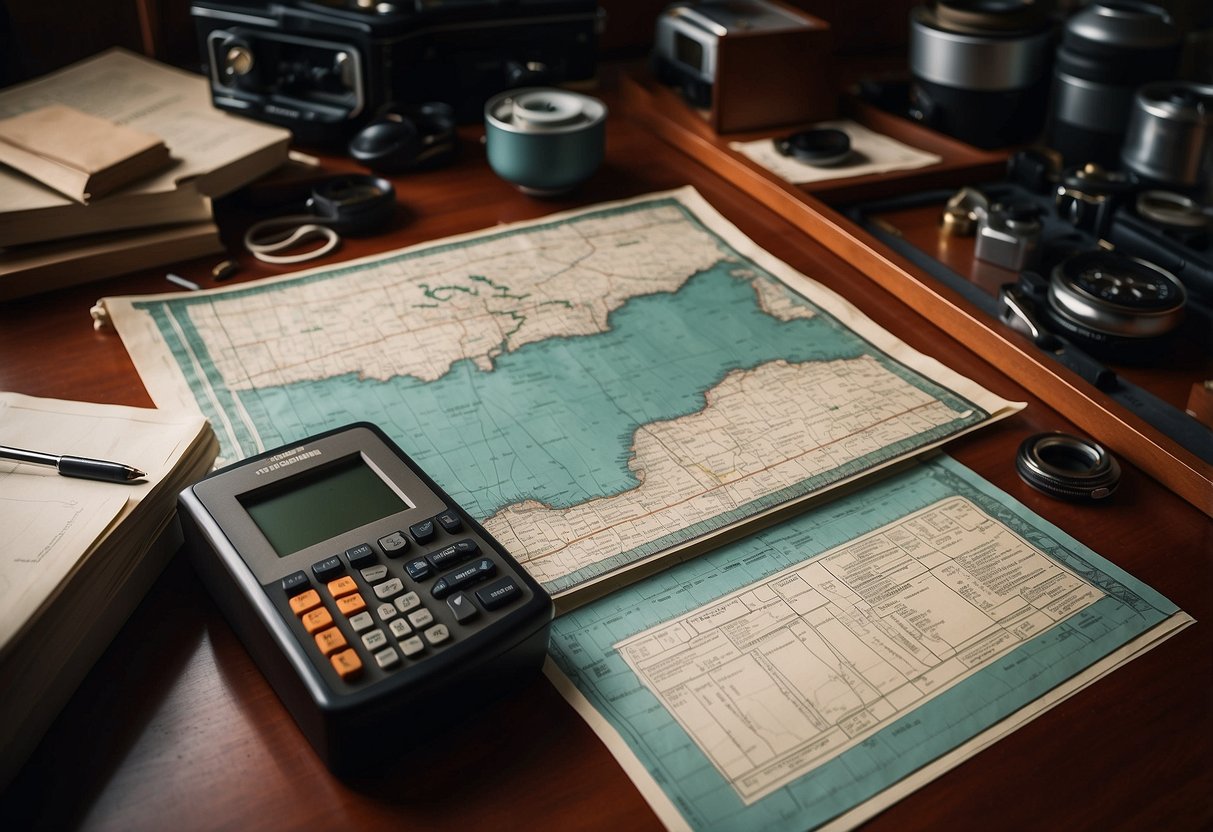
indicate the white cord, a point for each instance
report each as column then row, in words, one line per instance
column 286, row 233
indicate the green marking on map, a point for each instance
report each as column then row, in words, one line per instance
column 623, row 321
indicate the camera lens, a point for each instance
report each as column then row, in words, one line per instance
column 981, row 69
column 236, row 59
column 1066, row 466
column 1170, row 135
column 1107, row 50
column 1119, row 306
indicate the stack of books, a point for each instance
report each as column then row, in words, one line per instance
column 80, row 554
column 50, row 239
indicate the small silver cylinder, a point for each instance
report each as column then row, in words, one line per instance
column 994, row 62
column 1170, row 134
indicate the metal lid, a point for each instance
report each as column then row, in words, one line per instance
column 1178, row 101
column 543, row 110
column 1117, row 295
column 995, row 60
column 1121, row 24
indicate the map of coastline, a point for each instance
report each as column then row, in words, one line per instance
column 720, row 459
column 598, row 387
column 467, row 304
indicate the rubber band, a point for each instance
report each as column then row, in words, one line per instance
column 286, row 233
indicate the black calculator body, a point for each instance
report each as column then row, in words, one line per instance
column 376, row 607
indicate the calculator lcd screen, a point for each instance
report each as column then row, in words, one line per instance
column 314, row 507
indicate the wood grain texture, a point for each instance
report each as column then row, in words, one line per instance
column 176, row 728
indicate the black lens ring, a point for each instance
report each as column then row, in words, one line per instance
column 820, row 147
column 354, row 203
column 1090, row 473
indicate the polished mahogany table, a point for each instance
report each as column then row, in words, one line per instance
column 175, row 728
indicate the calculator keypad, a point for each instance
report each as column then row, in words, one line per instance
column 385, row 612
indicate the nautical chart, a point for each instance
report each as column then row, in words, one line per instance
column 599, row 388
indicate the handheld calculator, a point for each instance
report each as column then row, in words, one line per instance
column 375, row 606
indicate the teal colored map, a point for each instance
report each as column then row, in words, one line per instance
column 718, row 708
column 595, row 388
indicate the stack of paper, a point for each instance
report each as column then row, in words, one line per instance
column 212, row 153
column 82, row 156
column 80, row 554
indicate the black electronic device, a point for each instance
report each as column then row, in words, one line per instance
column 376, row 607
column 396, row 142
column 324, row 68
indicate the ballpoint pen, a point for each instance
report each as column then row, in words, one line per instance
column 76, row 466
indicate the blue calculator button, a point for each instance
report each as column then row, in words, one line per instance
column 450, row 521
column 328, row 568
column 473, row 573
column 424, row 531
column 418, row 569
column 295, row 583
column 457, row 552
column 360, row 556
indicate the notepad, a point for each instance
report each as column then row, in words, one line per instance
column 80, row 155
column 80, row 554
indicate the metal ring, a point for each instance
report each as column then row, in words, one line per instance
column 1066, row 466
column 1152, row 305
column 1177, row 210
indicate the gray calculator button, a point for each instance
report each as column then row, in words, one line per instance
column 394, row 544
column 374, row 640
column 420, row 618
column 386, row 611
column 411, row 646
column 362, row 621
column 408, row 601
column 387, row 589
column 462, row 607
column 437, row 634
column 400, row 628
column 374, row 574
column 387, row 658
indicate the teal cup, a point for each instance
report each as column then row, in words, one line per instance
column 544, row 141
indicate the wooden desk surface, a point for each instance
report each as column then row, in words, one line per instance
column 176, row 728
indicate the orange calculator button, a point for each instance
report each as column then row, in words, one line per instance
column 351, row 604
column 346, row 663
column 330, row 640
column 305, row 601
column 342, row 586
column 316, row 620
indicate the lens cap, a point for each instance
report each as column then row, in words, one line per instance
column 1068, row 467
column 820, row 147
